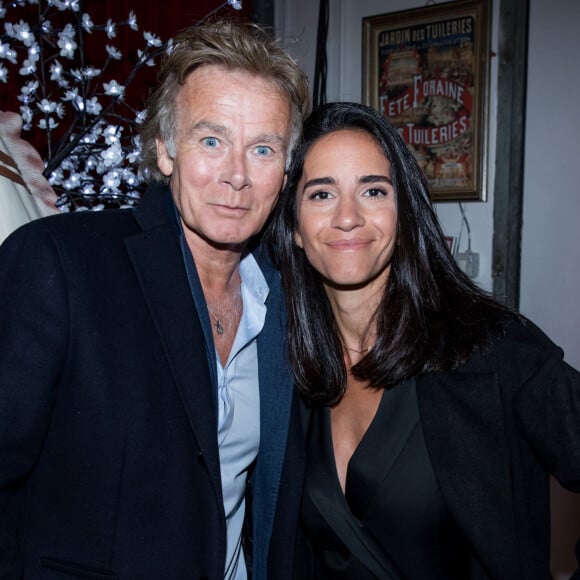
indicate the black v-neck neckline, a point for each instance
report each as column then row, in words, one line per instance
column 379, row 447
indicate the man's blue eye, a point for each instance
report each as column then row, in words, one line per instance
column 211, row 142
column 263, row 150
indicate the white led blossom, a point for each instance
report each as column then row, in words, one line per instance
column 47, row 106
column 73, row 182
column 66, row 4
column 112, row 134
column 113, row 155
column 87, row 23
column 27, row 116
column 132, row 21
column 34, row 53
column 27, row 68
column 143, row 58
column 22, row 33
column 151, row 39
column 111, row 181
column 70, row 95
column 47, row 124
column 56, row 72
column 93, row 106
column 111, row 29
column 7, row 53
column 28, row 91
column 114, row 89
column 113, row 52
column 90, row 72
column 66, row 42
column 130, row 178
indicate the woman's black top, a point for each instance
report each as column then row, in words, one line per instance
column 392, row 521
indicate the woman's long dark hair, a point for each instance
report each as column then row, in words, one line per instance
column 431, row 317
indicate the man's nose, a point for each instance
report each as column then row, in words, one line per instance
column 235, row 171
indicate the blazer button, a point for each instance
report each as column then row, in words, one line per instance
column 201, row 461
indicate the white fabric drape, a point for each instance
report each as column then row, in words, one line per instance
column 24, row 192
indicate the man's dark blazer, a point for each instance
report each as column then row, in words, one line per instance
column 494, row 429
column 109, row 464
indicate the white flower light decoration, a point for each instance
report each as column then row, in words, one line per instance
column 114, row 89
column 90, row 129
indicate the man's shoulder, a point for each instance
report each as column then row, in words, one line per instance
column 72, row 233
column 77, row 222
column 152, row 210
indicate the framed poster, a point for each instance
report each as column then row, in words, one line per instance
column 426, row 69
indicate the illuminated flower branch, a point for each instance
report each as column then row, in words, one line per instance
column 90, row 128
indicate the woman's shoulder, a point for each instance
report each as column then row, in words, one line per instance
column 519, row 332
column 520, row 345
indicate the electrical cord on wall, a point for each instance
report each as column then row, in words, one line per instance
column 468, row 261
column 464, row 222
column 321, row 61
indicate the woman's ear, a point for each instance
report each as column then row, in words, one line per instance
column 298, row 239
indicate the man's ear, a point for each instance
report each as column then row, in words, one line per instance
column 164, row 160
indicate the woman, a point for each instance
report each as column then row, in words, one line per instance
column 436, row 414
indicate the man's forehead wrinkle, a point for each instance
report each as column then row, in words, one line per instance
column 208, row 125
column 221, row 129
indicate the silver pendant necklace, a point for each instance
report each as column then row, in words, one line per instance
column 228, row 310
column 218, row 325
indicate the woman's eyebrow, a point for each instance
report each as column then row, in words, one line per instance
column 375, row 178
column 319, row 181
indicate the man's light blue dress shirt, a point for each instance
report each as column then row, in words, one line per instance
column 238, row 399
column 239, row 412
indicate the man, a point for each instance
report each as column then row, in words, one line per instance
column 143, row 376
